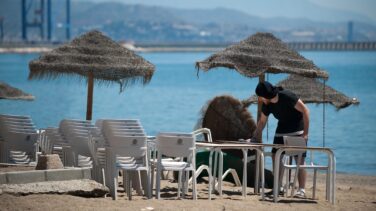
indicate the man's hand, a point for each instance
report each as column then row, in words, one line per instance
column 254, row 140
column 305, row 137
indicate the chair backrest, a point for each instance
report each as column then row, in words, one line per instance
column 14, row 116
column 19, row 141
column 19, row 132
column 124, row 121
column 124, row 127
column 66, row 125
column 127, row 122
column 175, row 144
column 6, row 120
column 54, row 136
column 80, row 145
column 129, row 146
column 294, row 141
column 78, row 133
column 204, row 131
column 12, row 123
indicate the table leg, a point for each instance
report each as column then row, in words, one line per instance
column 257, row 173
column 244, row 189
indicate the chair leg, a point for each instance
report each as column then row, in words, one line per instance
column 152, row 172
column 211, row 167
column 158, row 183
column 314, row 184
column 179, row 182
column 139, row 188
column 287, row 182
column 220, row 173
column 149, row 189
column 94, row 173
column 215, row 170
column 186, row 183
column 210, row 183
column 129, row 185
column 194, row 188
column 103, row 176
column 327, row 188
column 114, row 189
column 125, row 181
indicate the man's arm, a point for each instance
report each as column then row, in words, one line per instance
column 260, row 126
column 302, row 108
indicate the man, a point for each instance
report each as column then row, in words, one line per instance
column 293, row 120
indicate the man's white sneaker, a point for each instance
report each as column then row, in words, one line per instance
column 300, row 193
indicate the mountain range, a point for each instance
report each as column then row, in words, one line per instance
column 156, row 24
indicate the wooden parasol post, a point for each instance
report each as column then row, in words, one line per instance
column 90, row 88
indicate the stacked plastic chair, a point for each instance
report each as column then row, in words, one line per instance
column 78, row 134
column 18, row 136
column 74, row 141
column 121, row 135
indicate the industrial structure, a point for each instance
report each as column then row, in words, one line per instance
column 38, row 14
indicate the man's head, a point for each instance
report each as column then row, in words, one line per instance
column 266, row 90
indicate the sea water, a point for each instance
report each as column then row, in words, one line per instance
column 174, row 97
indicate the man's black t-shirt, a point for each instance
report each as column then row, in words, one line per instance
column 289, row 119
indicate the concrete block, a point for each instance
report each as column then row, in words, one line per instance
column 86, row 173
column 3, row 178
column 25, row 177
column 64, row 174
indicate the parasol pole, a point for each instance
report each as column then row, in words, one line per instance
column 323, row 116
column 259, row 105
column 90, row 88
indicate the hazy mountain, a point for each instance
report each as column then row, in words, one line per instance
column 310, row 9
column 152, row 24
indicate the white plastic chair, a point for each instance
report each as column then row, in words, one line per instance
column 300, row 142
column 218, row 163
column 134, row 148
column 19, row 139
column 98, row 153
column 153, row 156
column 112, row 129
column 181, row 145
column 77, row 134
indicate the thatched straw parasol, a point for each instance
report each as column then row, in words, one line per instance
column 259, row 54
column 93, row 56
column 311, row 90
column 11, row 93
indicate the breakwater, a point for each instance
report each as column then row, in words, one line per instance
column 36, row 47
column 333, row 46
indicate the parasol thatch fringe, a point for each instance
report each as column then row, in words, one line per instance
column 259, row 54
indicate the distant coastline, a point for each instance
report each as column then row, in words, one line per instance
column 193, row 47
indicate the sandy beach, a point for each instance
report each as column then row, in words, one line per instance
column 353, row 192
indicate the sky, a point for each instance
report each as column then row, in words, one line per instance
column 266, row 8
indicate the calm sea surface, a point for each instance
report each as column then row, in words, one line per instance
column 175, row 95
